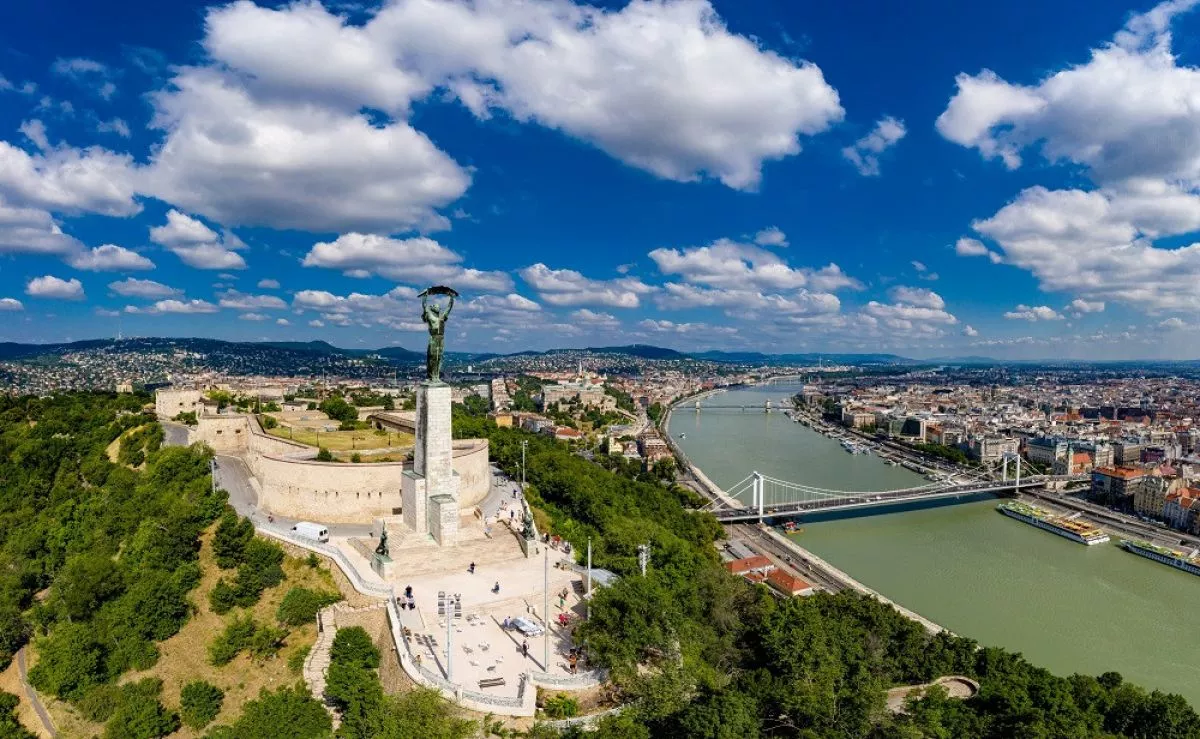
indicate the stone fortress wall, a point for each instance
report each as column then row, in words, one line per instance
column 170, row 403
column 293, row 484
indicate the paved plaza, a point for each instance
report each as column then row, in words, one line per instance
column 481, row 648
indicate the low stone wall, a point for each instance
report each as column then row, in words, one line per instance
column 329, row 492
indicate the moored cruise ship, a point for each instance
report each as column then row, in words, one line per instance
column 1077, row 531
column 1173, row 557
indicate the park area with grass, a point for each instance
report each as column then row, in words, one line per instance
column 346, row 441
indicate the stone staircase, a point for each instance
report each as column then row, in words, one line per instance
column 316, row 665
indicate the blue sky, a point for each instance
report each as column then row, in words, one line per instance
column 1015, row 180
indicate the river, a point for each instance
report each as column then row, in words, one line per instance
column 1067, row 607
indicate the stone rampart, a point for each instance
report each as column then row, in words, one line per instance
column 293, row 484
column 170, row 403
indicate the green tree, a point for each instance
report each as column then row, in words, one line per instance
column 85, row 583
column 200, row 702
column 235, row 637
column 300, row 605
column 423, row 713
column 10, row 728
column 139, row 714
column 230, row 539
column 71, row 660
column 353, row 646
column 292, row 707
column 339, row 410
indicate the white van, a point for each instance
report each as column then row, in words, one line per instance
column 311, row 531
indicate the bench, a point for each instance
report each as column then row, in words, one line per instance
column 491, row 682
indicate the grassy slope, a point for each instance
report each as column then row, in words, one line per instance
column 184, row 657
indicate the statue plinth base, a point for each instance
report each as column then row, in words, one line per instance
column 382, row 565
column 429, row 491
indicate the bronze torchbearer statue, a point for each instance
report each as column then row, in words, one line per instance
column 382, row 550
column 435, row 317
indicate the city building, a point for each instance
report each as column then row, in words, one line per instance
column 858, row 418
column 1117, row 486
column 788, row 584
column 990, row 449
column 1181, row 510
column 1046, row 450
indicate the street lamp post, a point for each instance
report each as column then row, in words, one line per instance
column 524, row 443
column 546, row 613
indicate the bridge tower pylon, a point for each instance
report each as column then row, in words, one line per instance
column 758, row 494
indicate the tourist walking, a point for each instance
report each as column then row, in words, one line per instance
column 525, row 649
column 471, row 568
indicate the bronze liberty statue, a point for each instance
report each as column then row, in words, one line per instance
column 435, row 317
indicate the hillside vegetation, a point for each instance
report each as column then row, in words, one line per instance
column 107, row 572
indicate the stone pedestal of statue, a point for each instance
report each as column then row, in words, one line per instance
column 430, row 489
column 383, row 566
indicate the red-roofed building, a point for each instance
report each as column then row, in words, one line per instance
column 1117, row 486
column 756, row 563
column 789, row 585
column 1182, row 510
column 566, row 433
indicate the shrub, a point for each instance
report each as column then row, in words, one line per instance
column 296, row 659
column 200, row 703
column 233, row 639
column 98, row 704
column 222, row 597
column 266, row 642
column 561, row 706
column 354, row 647
column 324, row 455
column 292, row 707
column 356, row 458
column 139, row 714
column 10, row 728
column 300, row 605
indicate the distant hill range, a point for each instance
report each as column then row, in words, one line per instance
column 308, row 353
column 14, row 351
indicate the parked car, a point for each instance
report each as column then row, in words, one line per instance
column 526, row 626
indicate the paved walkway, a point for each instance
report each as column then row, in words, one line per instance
column 30, row 693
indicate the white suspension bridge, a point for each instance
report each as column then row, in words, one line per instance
column 758, row 496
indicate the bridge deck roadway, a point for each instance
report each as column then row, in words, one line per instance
column 868, row 500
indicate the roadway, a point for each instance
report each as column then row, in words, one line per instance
column 30, row 693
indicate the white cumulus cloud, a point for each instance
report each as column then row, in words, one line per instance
column 49, row 286
column 1033, row 313
column 566, row 287
column 864, row 154
column 134, row 288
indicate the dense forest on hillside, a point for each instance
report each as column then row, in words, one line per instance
column 699, row 653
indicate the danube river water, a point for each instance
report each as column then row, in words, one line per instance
column 1067, row 607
